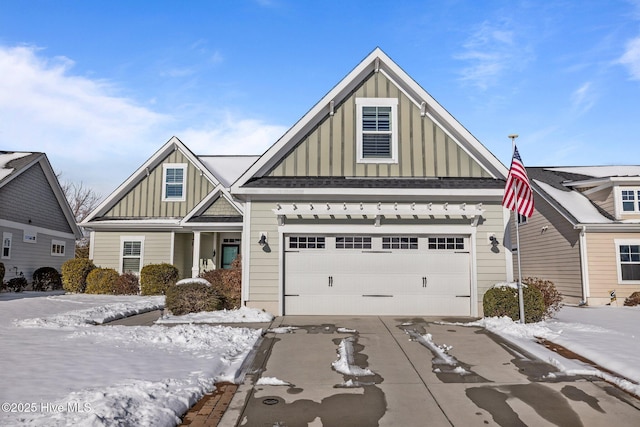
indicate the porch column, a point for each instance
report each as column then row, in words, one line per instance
column 195, row 268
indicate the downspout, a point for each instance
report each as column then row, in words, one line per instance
column 584, row 264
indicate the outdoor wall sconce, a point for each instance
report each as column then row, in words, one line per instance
column 263, row 239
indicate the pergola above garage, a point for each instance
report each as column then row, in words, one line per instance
column 376, row 211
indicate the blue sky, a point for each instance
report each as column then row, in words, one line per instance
column 101, row 85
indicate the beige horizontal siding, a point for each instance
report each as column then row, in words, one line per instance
column 107, row 250
column 264, row 267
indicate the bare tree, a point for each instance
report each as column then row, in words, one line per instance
column 82, row 201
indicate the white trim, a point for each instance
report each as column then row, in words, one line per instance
column 479, row 194
column 474, row 271
column 172, row 247
column 131, row 239
column 377, row 102
column 281, row 272
column 584, row 264
column 619, row 242
column 92, row 244
column 9, row 236
column 41, row 230
column 165, row 167
column 508, row 254
column 617, row 194
column 246, row 252
column 60, row 243
column 29, row 235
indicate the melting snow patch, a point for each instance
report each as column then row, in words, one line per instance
column 240, row 315
column 347, row 331
column 345, row 363
column 271, row 381
column 283, row 330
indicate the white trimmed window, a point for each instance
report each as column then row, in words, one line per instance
column 628, row 254
column 630, row 200
column 131, row 255
column 174, row 180
column 58, row 247
column 399, row 242
column 6, row 245
column 377, row 130
column 446, row 243
column 353, row 242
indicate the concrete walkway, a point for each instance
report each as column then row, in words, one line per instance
column 397, row 375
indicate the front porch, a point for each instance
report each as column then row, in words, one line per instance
column 202, row 250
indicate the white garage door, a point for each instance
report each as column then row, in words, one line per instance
column 377, row 275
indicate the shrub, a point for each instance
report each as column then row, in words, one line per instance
column 126, row 284
column 46, row 278
column 191, row 296
column 228, row 283
column 550, row 295
column 503, row 301
column 74, row 274
column 154, row 278
column 632, row 300
column 101, row 281
column 1, row 273
column 17, row 284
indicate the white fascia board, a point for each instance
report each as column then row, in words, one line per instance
column 173, row 144
column 214, row 226
column 256, row 193
column 610, row 228
column 165, row 225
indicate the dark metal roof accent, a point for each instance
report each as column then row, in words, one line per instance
column 357, row 182
column 215, row 218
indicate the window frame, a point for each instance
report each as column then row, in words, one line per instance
column 619, row 262
column 444, row 241
column 133, row 239
column 353, row 242
column 6, row 236
column 393, row 124
column 307, row 242
column 165, row 168
column 636, row 200
column 60, row 243
column 410, row 243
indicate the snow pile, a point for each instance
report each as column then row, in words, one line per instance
column 282, row 330
column 199, row 280
column 345, row 363
column 271, row 381
column 240, row 315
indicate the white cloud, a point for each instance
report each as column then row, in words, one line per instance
column 583, row 98
column 631, row 58
column 491, row 51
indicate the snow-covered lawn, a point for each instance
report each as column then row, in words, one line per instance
column 608, row 336
column 60, row 367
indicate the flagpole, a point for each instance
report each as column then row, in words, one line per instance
column 515, row 190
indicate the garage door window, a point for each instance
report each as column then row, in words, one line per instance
column 306, row 242
column 353, row 242
column 399, row 242
column 446, row 243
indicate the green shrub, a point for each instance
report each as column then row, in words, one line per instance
column 155, row 278
column 228, row 283
column 1, row 273
column 101, row 281
column 550, row 295
column 17, row 284
column 503, row 301
column 74, row 274
column 127, row 284
column 191, row 296
column 45, row 279
column 632, row 300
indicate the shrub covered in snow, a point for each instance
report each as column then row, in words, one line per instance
column 227, row 282
column 550, row 295
column 632, row 300
column 192, row 296
column 17, row 284
column 101, row 281
column 74, row 274
column 502, row 300
column 126, row 284
column 45, row 279
column 155, row 278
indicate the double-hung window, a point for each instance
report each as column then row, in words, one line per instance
column 628, row 261
column 630, row 200
column 132, row 250
column 6, row 245
column 58, row 247
column 377, row 130
column 174, row 179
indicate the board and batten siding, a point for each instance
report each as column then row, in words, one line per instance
column 550, row 250
column 425, row 150
column 603, row 267
column 107, row 250
column 145, row 199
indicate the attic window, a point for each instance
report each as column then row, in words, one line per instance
column 377, row 130
column 631, row 200
column 174, row 178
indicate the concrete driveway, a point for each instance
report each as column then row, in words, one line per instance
column 398, row 375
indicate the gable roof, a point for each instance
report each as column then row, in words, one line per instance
column 13, row 164
column 228, row 168
column 556, row 185
column 376, row 61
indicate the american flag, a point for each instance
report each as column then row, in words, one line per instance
column 518, row 186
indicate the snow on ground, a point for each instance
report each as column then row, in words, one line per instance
column 241, row 315
column 59, row 369
column 607, row 335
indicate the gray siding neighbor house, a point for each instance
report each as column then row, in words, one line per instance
column 37, row 225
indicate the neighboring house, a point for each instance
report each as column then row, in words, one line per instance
column 176, row 208
column 585, row 232
column 37, row 225
column 377, row 201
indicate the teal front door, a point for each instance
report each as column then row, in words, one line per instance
column 229, row 253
